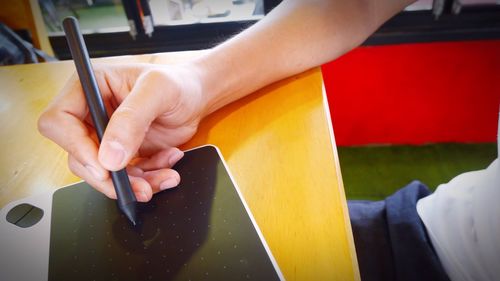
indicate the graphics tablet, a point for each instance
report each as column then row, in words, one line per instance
column 200, row 230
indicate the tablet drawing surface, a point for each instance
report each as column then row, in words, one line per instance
column 199, row 230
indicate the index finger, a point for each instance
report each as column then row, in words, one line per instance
column 62, row 122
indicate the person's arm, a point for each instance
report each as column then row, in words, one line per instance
column 156, row 107
column 295, row 36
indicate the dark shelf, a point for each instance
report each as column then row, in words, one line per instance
column 477, row 23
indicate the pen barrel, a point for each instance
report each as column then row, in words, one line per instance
column 87, row 78
column 125, row 195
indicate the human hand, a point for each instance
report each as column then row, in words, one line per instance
column 152, row 110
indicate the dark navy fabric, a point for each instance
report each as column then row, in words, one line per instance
column 391, row 240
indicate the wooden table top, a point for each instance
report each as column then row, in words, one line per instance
column 277, row 142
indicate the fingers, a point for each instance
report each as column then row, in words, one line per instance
column 66, row 123
column 105, row 186
column 162, row 179
column 151, row 182
column 165, row 158
column 147, row 176
column 62, row 123
column 141, row 188
column 131, row 120
column 156, row 169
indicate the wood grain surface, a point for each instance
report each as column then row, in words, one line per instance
column 277, row 142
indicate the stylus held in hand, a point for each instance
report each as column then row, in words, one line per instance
column 125, row 196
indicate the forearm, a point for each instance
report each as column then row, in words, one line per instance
column 296, row 36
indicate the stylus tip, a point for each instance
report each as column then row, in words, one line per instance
column 130, row 212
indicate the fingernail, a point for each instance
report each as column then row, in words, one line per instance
column 176, row 156
column 144, row 196
column 113, row 154
column 140, row 196
column 169, row 183
column 95, row 172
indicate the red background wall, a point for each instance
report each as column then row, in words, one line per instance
column 415, row 93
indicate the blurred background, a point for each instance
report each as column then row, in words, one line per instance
column 117, row 27
column 418, row 100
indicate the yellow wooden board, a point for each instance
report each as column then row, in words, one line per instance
column 277, row 143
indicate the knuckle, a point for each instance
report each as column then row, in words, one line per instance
column 167, row 83
column 127, row 120
column 155, row 75
column 46, row 123
column 126, row 111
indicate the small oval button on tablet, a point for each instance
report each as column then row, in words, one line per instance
column 24, row 215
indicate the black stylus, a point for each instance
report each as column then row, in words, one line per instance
column 125, row 195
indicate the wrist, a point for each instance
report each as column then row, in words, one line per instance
column 208, row 74
column 222, row 80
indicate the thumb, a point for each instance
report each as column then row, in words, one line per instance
column 129, row 124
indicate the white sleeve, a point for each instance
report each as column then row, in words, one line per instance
column 462, row 219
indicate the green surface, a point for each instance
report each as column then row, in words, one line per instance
column 95, row 17
column 374, row 172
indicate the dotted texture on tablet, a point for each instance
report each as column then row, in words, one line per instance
column 197, row 231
